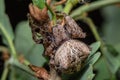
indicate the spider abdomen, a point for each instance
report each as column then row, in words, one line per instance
column 70, row 56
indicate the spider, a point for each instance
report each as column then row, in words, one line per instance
column 52, row 36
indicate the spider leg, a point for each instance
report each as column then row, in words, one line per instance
column 49, row 50
column 63, row 22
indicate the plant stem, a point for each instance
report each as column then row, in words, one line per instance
column 69, row 5
column 16, row 63
column 12, row 75
column 5, row 72
column 52, row 13
column 95, row 5
column 94, row 30
column 13, row 60
column 9, row 40
column 97, row 37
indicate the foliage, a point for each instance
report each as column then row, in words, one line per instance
column 5, row 20
column 39, row 3
column 111, row 36
column 107, row 66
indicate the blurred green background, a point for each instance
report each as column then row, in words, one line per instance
column 13, row 17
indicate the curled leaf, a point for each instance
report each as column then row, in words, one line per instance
column 40, row 72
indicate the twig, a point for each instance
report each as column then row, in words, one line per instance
column 69, row 5
column 98, row 38
column 5, row 72
column 9, row 40
column 95, row 5
column 13, row 60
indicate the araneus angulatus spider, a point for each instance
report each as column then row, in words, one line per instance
column 64, row 33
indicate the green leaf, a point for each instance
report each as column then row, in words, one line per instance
column 101, row 70
column 39, row 3
column 59, row 8
column 112, row 50
column 51, row 13
column 93, row 59
column 25, row 45
column 5, row 21
column 22, row 75
column 94, row 47
column 117, row 47
column 2, row 7
column 88, row 74
column 112, row 62
column 111, row 25
column 111, row 28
